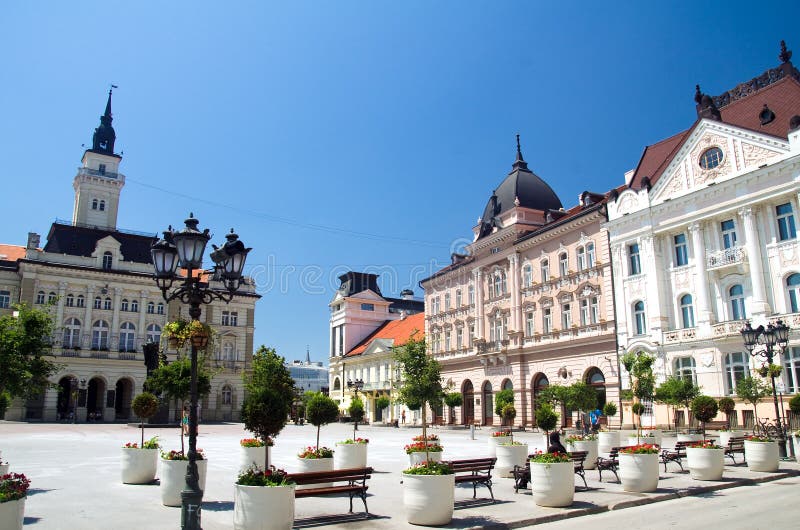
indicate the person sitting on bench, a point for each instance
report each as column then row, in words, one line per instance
column 555, row 444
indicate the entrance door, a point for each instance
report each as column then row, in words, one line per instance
column 488, row 404
column 468, row 407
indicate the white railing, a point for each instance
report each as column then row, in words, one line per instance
column 725, row 257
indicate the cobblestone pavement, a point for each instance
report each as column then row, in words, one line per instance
column 76, row 485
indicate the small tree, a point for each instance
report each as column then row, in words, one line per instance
column 638, row 410
column 356, row 411
column 381, row 402
column 727, row 406
column 508, row 414
column 270, row 393
column 321, row 410
column 610, row 409
column 752, row 390
column 24, row 347
column 794, row 404
column 421, row 384
column 145, row 406
column 643, row 383
column 453, row 400
column 501, row 399
column 554, row 395
column 546, row 418
column 581, row 397
column 704, row 408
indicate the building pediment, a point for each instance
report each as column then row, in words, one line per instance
column 378, row 346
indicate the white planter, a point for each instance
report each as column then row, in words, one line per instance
column 348, row 456
column 139, row 465
column 706, row 464
column 657, row 434
column 173, row 479
column 4, row 469
column 652, row 440
column 494, row 440
column 429, row 499
column 11, row 514
column 311, row 465
column 553, row 485
column 725, row 436
column 263, row 507
column 591, row 448
column 253, row 456
column 796, row 442
column 606, row 440
column 419, row 457
column 690, row 437
column 638, row 473
column 761, row 456
column 509, row 456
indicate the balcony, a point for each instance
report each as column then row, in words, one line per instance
column 678, row 335
column 725, row 258
column 96, row 173
column 729, row 328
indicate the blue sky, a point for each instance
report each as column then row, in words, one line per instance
column 352, row 135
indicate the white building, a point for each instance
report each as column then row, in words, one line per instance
column 309, row 376
column 703, row 237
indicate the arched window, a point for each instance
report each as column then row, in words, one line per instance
column 80, row 301
column 793, row 290
column 124, row 305
column 596, row 379
column 151, row 308
column 590, row 256
column 94, row 204
column 226, row 395
column 100, row 335
column 160, row 308
column 488, row 404
column 40, row 297
column 527, row 275
column 468, row 406
column 639, row 322
column 102, row 205
column 127, row 337
column 545, row 266
column 737, row 366
column 98, row 302
column 72, row 333
column 69, row 301
column 337, row 385
column 736, row 297
column 108, row 260
column 135, row 306
column 51, row 297
column 580, row 256
column 458, row 298
column 498, row 286
column 563, row 264
column 687, row 311
column 471, row 294
column 508, row 385
column 154, row 333
column 107, row 303
column 685, row 368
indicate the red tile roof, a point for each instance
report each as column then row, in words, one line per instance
column 399, row 330
column 11, row 252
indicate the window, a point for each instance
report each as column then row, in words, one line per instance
column 447, row 301
column 681, row 252
column 234, row 318
column 69, row 301
column 459, row 338
column 107, row 304
column 736, row 366
column 527, row 275
column 529, row 323
column 736, row 296
column 563, row 264
column 471, row 334
column 124, row 305
column 80, row 301
column 102, row 169
column 590, row 256
column 435, row 305
column 786, row 229
column 226, row 395
column 791, row 372
column 447, row 340
column 5, row 299
column 458, row 298
column 498, row 285
column 471, row 294
column 793, row 287
column 685, row 368
column 547, row 320
column 580, row 256
column 497, row 328
column 100, row 335
column 154, row 333
column 585, row 313
column 639, row 323
column 108, row 260
column 51, row 297
column 98, row 302
column 160, row 308
column 127, row 337
column 633, row 259
column 687, row 311
column 566, row 316
column 40, row 297
column 226, row 318
column 227, row 352
column 135, row 306
column 368, row 307
column 728, row 233
column 94, row 204
column 72, row 333
column 102, row 206
column 545, row 270
column 151, row 308
column 711, row 158
column 594, row 309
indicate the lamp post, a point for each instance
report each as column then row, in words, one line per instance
column 73, row 383
column 773, row 335
column 185, row 248
column 355, row 387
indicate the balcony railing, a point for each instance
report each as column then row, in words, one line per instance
column 678, row 335
column 725, row 257
column 731, row 327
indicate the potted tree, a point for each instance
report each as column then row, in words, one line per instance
column 643, row 383
column 638, row 468
column 752, row 390
column 453, row 400
column 353, row 451
column 606, row 439
column 761, row 453
column 585, row 442
column 13, row 492
column 704, row 408
column 706, row 460
column 428, row 488
column 509, row 453
column 264, row 496
column 728, row 407
column 546, row 419
column 173, row 475
column 424, row 448
column 139, row 462
column 321, row 410
column 552, row 482
column 381, row 403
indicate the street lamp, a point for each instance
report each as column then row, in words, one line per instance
column 185, row 248
column 773, row 335
column 356, row 387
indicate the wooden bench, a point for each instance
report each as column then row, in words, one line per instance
column 735, row 445
column 355, row 478
column 716, row 425
column 522, row 474
column 674, row 455
column 478, row 471
column 609, row 464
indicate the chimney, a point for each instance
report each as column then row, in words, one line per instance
column 33, row 241
column 402, row 314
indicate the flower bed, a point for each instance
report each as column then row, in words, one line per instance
column 421, row 447
column 311, row 452
column 354, row 441
column 255, row 442
column 271, row 477
column 177, row 455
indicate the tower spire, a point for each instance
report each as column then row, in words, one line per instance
column 104, row 136
column 308, row 355
column 519, row 163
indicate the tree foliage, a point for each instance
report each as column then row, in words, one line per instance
column 726, row 405
column 501, row 399
column 677, row 392
column 610, row 409
column 704, row 408
column 453, row 400
column 356, row 412
column 643, row 383
column 581, row 396
column 752, row 390
column 381, row 402
column 24, row 346
column 553, row 394
column 145, row 406
column 794, row 404
column 173, row 380
column 546, row 417
column 321, row 410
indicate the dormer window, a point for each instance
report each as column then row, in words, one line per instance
column 711, row 158
column 108, row 260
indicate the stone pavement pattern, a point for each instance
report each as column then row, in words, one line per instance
column 76, row 479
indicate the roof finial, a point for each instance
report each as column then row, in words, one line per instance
column 519, row 162
column 786, row 55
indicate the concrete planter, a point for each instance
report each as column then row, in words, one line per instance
column 606, row 440
column 348, row 456
column 761, row 456
column 253, row 456
column 509, row 456
column 591, row 448
column 706, row 464
column 419, row 457
column 4, row 469
column 173, row 479
column 638, row 473
column 429, row 499
column 311, row 465
column 263, row 507
column 139, row 465
column 553, row 485
column 656, row 434
column 652, row 440
column 494, row 440
column 690, row 437
column 725, row 436
column 12, row 514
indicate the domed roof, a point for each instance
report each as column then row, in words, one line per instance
column 520, row 188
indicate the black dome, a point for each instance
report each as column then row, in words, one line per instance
column 523, row 185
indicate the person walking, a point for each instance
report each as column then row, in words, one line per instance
column 403, row 417
column 185, row 420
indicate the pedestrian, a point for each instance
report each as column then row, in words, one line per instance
column 555, row 444
column 185, row 420
column 403, row 417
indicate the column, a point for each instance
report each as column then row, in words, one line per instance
column 141, row 332
column 113, row 337
column 651, row 271
column 477, row 276
column 516, row 309
column 704, row 314
column 62, row 289
column 759, row 306
column 86, row 340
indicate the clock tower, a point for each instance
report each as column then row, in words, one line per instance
column 99, row 182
